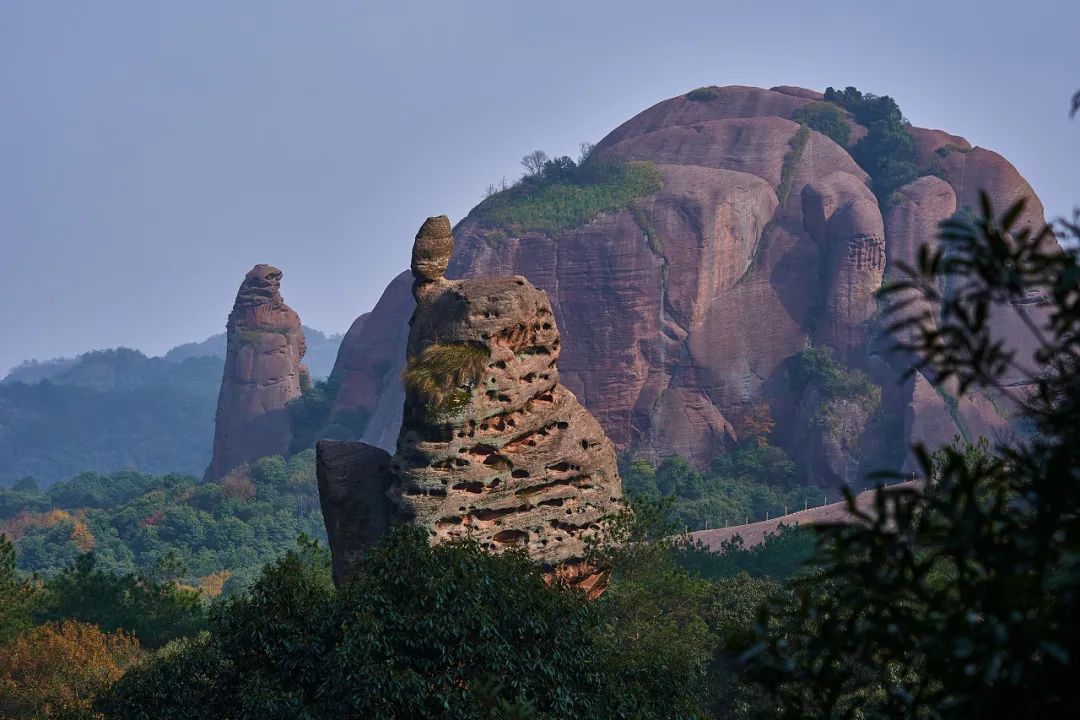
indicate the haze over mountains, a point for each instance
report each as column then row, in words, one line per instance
column 322, row 351
column 109, row 410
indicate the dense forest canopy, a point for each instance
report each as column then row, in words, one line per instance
column 213, row 534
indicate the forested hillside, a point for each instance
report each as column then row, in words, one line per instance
column 204, row 534
column 112, row 410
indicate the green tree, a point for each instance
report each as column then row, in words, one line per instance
column 779, row 557
column 419, row 631
column 887, row 151
column 676, row 476
column 154, row 613
column 656, row 614
column 17, row 594
column 639, row 479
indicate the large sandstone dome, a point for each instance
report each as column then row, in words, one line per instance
column 683, row 311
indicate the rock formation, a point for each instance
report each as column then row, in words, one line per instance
column 492, row 448
column 262, row 374
column 683, row 310
column 353, row 482
column 841, row 215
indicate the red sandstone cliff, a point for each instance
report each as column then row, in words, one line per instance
column 262, row 374
column 761, row 250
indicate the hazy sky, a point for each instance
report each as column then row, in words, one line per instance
column 152, row 152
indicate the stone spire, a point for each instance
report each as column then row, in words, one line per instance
column 262, row 374
column 492, row 447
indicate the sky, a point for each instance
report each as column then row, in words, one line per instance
column 152, row 153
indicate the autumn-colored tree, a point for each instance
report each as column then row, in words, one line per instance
column 82, row 536
column 17, row 526
column 213, row 583
column 755, row 424
column 237, row 484
column 155, row 610
column 54, row 670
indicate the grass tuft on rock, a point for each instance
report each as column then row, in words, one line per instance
column 651, row 236
column 791, row 161
column 438, row 373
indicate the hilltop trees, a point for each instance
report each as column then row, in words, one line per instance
column 886, row 152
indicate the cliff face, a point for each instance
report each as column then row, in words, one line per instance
column 680, row 311
column 492, row 447
column 370, row 362
column 262, row 374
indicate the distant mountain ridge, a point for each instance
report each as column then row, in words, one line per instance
column 320, row 357
column 110, row 410
column 118, row 409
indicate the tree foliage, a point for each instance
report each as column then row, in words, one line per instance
column 17, row 594
column 780, row 556
column 54, row 671
column 704, row 93
column 420, row 631
column 657, row 614
column 136, row 520
column 153, row 612
column 887, row 151
column 744, row 484
column 828, row 119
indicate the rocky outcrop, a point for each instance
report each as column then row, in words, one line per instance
column 842, row 216
column 492, row 448
column 829, row 436
column 353, row 482
column 262, row 374
column 911, row 222
column 680, row 311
